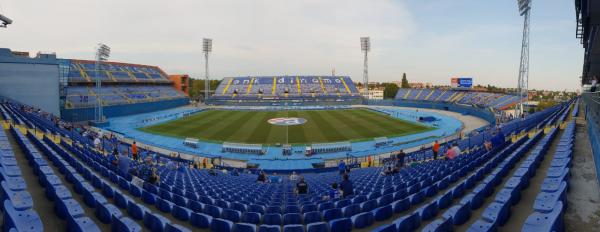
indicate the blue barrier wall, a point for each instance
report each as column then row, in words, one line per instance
column 85, row 114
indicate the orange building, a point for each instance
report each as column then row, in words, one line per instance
column 181, row 82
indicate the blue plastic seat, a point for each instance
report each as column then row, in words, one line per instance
column 293, row 228
column 257, row 208
column 409, row 222
column 310, row 217
column 473, row 200
column 195, row 206
column 231, row 215
column 309, row 208
column 251, row 217
column 272, row 219
column 200, row 220
column 292, row 218
column 546, row 201
column 221, row 225
column 385, row 200
column 331, row 214
column 107, row 190
column 176, row 228
column 363, row 220
column 343, row 203
column 181, row 213
column 92, row 199
column 428, row 211
column 401, row 205
column 352, row 210
column 445, row 200
column 121, row 200
column 482, row 226
column 238, row 206
column 292, row 209
column 325, row 206
column 359, row 199
column 106, row 212
column 136, row 211
column 439, row 225
column 125, row 224
column 417, row 198
column 66, row 208
column 269, row 228
column 550, row 221
column 459, row 214
column 23, row 220
column 496, row 213
column 511, row 196
column 135, row 191
column 431, row 191
column 82, row 224
column 383, row 213
column 155, row 222
column 245, row 227
column 164, row 205
column 458, row 190
column 368, row 205
column 340, row 225
column 386, row 228
column 317, row 227
column 221, row 203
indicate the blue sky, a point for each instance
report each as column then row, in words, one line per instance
column 430, row 40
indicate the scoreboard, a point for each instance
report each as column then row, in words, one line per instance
column 461, row 82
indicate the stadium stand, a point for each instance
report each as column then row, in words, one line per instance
column 126, row 89
column 481, row 99
column 419, row 196
column 306, row 88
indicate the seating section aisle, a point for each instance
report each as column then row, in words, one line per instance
column 435, row 195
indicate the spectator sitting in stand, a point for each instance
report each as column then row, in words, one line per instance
column 262, row 177
column 333, row 193
column 301, row 186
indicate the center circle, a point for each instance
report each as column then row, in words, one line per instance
column 287, row 121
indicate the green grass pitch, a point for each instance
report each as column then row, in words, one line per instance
column 252, row 127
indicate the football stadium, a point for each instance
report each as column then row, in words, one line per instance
column 103, row 144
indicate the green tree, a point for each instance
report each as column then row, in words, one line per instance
column 405, row 81
column 197, row 87
column 390, row 90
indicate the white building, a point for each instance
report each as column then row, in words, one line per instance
column 374, row 94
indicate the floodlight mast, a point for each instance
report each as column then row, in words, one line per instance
column 102, row 54
column 5, row 21
column 524, row 10
column 365, row 46
column 206, row 48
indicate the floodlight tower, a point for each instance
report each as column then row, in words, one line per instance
column 524, row 9
column 102, row 54
column 206, row 48
column 365, row 46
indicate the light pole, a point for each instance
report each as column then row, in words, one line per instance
column 206, row 48
column 365, row 46
column 524, row 9
column 102, row 54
